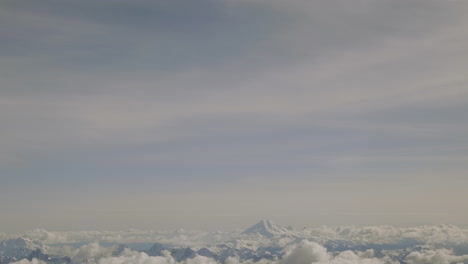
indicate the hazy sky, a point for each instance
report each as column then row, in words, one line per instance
column 216, row 113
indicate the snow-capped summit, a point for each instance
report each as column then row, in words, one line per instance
column 266, row 228
column 15, row 249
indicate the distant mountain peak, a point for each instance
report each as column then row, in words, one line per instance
column 266, row 228
column 18, row 248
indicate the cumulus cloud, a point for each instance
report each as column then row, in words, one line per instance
column 142, row 258
column 26, row 261
column 438, row 256
column 175, row 237
column 304, row 252
column 388, row 234
column 91, row 252
column 307, row 252
column 321, row 245
column 137, row 258
column 231, row 260
column 349, row 257
column 437, row 234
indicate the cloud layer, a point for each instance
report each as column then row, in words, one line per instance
column 305, row 252
column 263, row 243
column 429, row 235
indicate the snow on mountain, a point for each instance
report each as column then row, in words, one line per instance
column 264, row 240
column 19, row 248
column 267, row 229
column 178, row 253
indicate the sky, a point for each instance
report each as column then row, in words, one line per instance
column 213, row 114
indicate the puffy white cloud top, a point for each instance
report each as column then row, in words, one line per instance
column 142, row 258
column 307, row 252
column 367, row 234
column 25, row 261
column 439, row 256
column 90, row 252
column 304, row 252
column 442, row 244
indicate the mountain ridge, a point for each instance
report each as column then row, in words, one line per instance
column 266, row 228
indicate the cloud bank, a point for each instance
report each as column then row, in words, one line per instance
column 263, row 243
column 305, row 252
column 438, row 234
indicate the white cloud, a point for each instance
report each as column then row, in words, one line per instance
column 388, row 234
column 438, row 256
column 428, row 234
column 134, row 257
column 307, row 252
column 138, row 258
column 26, row 261
column 90, row 253
column 304, row 252
column 176, row 237
column 200, row 260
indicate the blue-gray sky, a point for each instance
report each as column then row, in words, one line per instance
column 216, row 113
